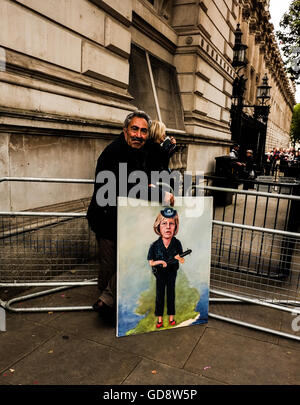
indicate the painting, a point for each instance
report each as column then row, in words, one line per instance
column 163, row 265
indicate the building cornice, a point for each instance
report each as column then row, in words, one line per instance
column 36, row 123
column 256, row 14
column 155, row 35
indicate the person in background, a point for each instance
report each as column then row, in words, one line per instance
column 275, row 160
column 237, row 165
column 234, row 153
column 268, row 159
column 249, row 170
column 163, row 146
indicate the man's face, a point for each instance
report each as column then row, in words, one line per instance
column 137, row 132
column 167, row 228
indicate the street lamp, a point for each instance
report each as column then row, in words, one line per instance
column 264, row 91
column 261, row 111
column 239, row 50
column 239, row 62
column 263, row 95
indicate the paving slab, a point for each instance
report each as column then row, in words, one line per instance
column 20, row 339
column 263, row 317
column 73, row 361
column 240, row 330
column 153, row 373
column 236, row 359
column 171, row 347
column 76, row 348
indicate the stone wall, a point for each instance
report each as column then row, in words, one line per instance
column 264, row 57
column 65, row 86
column 205, row 76
column 63, row 93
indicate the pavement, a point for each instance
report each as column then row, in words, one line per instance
column 76, row 348
column 72, row 349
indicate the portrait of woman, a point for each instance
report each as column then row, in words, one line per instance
column 164, row 258
column 163, row 266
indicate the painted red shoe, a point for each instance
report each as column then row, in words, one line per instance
column 159, row 325
column 172, row 323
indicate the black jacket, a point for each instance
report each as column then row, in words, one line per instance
column 162, row 157
column 158, row 251
column 103, row 219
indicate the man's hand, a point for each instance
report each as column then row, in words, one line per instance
column 169, row 199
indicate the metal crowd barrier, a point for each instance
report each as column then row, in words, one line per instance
column 43, row 249
column 249, row 264
column 268, row 206
column 46, row 249
column 254, row 263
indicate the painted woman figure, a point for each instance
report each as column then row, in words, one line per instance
column 164, row 259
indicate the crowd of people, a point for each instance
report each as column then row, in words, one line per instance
column 281, row 159
column 285, row 160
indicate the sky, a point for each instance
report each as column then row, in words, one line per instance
column 277, row 9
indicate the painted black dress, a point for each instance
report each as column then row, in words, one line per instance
column 165, row 276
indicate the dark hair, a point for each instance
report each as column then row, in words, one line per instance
column 139, row 114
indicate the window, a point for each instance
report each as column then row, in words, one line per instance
column 164, row 8
column 153, row 84
column 140, row 86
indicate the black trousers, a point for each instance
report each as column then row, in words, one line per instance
column 107, row 275
column 165, row 280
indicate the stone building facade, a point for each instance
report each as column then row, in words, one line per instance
column 264, row 57
column 75, row 68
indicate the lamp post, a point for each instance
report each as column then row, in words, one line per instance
column 239, row 50
column 261, row 109
column 263, row 95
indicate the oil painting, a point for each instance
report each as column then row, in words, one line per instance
column 163, row 265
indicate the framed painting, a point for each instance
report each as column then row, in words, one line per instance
column 163, row 264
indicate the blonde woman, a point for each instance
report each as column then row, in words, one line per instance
column 164, row 250
column 164, row 146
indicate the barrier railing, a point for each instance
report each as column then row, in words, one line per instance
column 257, row 208
column 251, row 264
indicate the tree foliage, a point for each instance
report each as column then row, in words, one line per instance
column 289, row 39
column 295, row 125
